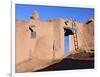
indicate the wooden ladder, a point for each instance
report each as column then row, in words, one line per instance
column 75, row 35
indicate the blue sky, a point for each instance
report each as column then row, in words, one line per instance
column 23, row 12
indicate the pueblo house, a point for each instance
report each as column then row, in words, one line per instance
column 40, row 43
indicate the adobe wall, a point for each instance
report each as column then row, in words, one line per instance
column 40, row 51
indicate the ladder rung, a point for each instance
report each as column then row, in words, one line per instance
column 75, row 44
column 75, row 40
column 75, row 35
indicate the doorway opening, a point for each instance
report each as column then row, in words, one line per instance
column 67, row 31
column 66, row 45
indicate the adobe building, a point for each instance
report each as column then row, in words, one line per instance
column 40, row 43
column 84, row 38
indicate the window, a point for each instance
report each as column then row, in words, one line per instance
column 33, row 33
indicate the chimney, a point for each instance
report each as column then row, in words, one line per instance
column 35, row 15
